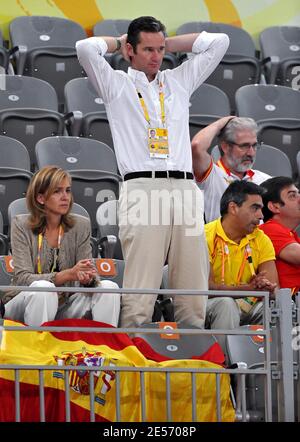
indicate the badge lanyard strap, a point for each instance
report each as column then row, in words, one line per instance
column 40, row 242
column 162, row 105
column 225, row 255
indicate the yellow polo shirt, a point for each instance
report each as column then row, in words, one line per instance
column 262, row 250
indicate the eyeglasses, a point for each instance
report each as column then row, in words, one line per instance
column 246, row 146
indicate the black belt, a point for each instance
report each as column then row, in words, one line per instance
column 160, row 174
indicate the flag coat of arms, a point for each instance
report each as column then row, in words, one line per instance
column 99, row 350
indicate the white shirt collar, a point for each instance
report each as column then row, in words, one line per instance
column 140, row 76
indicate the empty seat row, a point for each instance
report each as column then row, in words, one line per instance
column 93, row 168
column 91, row 164
column 242, row 64
column 44, row 47
column 29, row 112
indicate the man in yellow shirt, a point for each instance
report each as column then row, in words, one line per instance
column 241, row 257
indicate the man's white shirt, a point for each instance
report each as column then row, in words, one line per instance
column 214, row 183
column 129, row 127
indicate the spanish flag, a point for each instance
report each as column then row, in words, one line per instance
column 101, row 349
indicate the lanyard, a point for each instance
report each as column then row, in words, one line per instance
column 226, row 256
column 162, row 105
column 249, row 173
column 40, row 242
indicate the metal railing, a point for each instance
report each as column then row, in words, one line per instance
column 283, row 374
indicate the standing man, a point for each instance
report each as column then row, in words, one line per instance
column 282, row 216
column 160, row 206
column 237, row 141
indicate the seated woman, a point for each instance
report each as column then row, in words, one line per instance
column 51, row 247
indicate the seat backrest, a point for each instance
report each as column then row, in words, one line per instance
column 209, row 100
column 6, row 270
column 239, row 66
column 1, row 222
column 19, row 207
column 248, row 348
column 80, row 95
column 118, row 62
column 177, row 347
column 95, row 125
column 280, row 41
column 47, row 49
column 75, row 153
column 112, row 269
column 112, row 28
column 13, row 154
column 272, row 161
column 22, row 92
column 298, row 162
column 268, row 159
column 107, row 224
column 41, row 31
column 267, row 102
column 241, row 42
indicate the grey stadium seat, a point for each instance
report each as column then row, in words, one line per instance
column 269, row 159
column 47, row 49
column 19, row 207
column 250, row 350
column 15, row 174
column 184, row 347
column 281, row 45
column 92, row 122
column 239, row 65
column 117, row 265
column 207, row 104
column 29, row 111
column 276, row 109
column 5, row 56
column 108, row 230
column 116, row 28
column 91, row 164
column 111, row 28
column 170, row 61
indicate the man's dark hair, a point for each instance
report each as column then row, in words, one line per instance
column 143, row 24
column 237, row 192
column 273, row 188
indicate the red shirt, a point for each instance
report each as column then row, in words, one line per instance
column 281, row 236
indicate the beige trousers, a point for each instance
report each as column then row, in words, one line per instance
column 161, row 220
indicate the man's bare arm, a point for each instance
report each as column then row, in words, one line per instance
column 291, row 253
column 201, row 143
column 181, row 43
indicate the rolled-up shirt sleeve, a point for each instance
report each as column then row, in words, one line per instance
column 208, row 49
column 106, row 81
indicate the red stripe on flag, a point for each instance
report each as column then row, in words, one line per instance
column 116, row 341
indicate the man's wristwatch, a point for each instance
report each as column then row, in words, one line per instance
column 118, row 44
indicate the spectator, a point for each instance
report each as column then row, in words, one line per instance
column 282, row 216
column 242, row 257
column 136, row 103
column 51, row 247
column 237, row 141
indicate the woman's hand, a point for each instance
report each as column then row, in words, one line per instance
column 84, row 271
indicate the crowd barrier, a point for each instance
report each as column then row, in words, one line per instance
column 266, row 389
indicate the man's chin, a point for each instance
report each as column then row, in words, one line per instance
column 245, row 167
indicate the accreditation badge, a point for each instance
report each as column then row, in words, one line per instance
column 158, row 142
